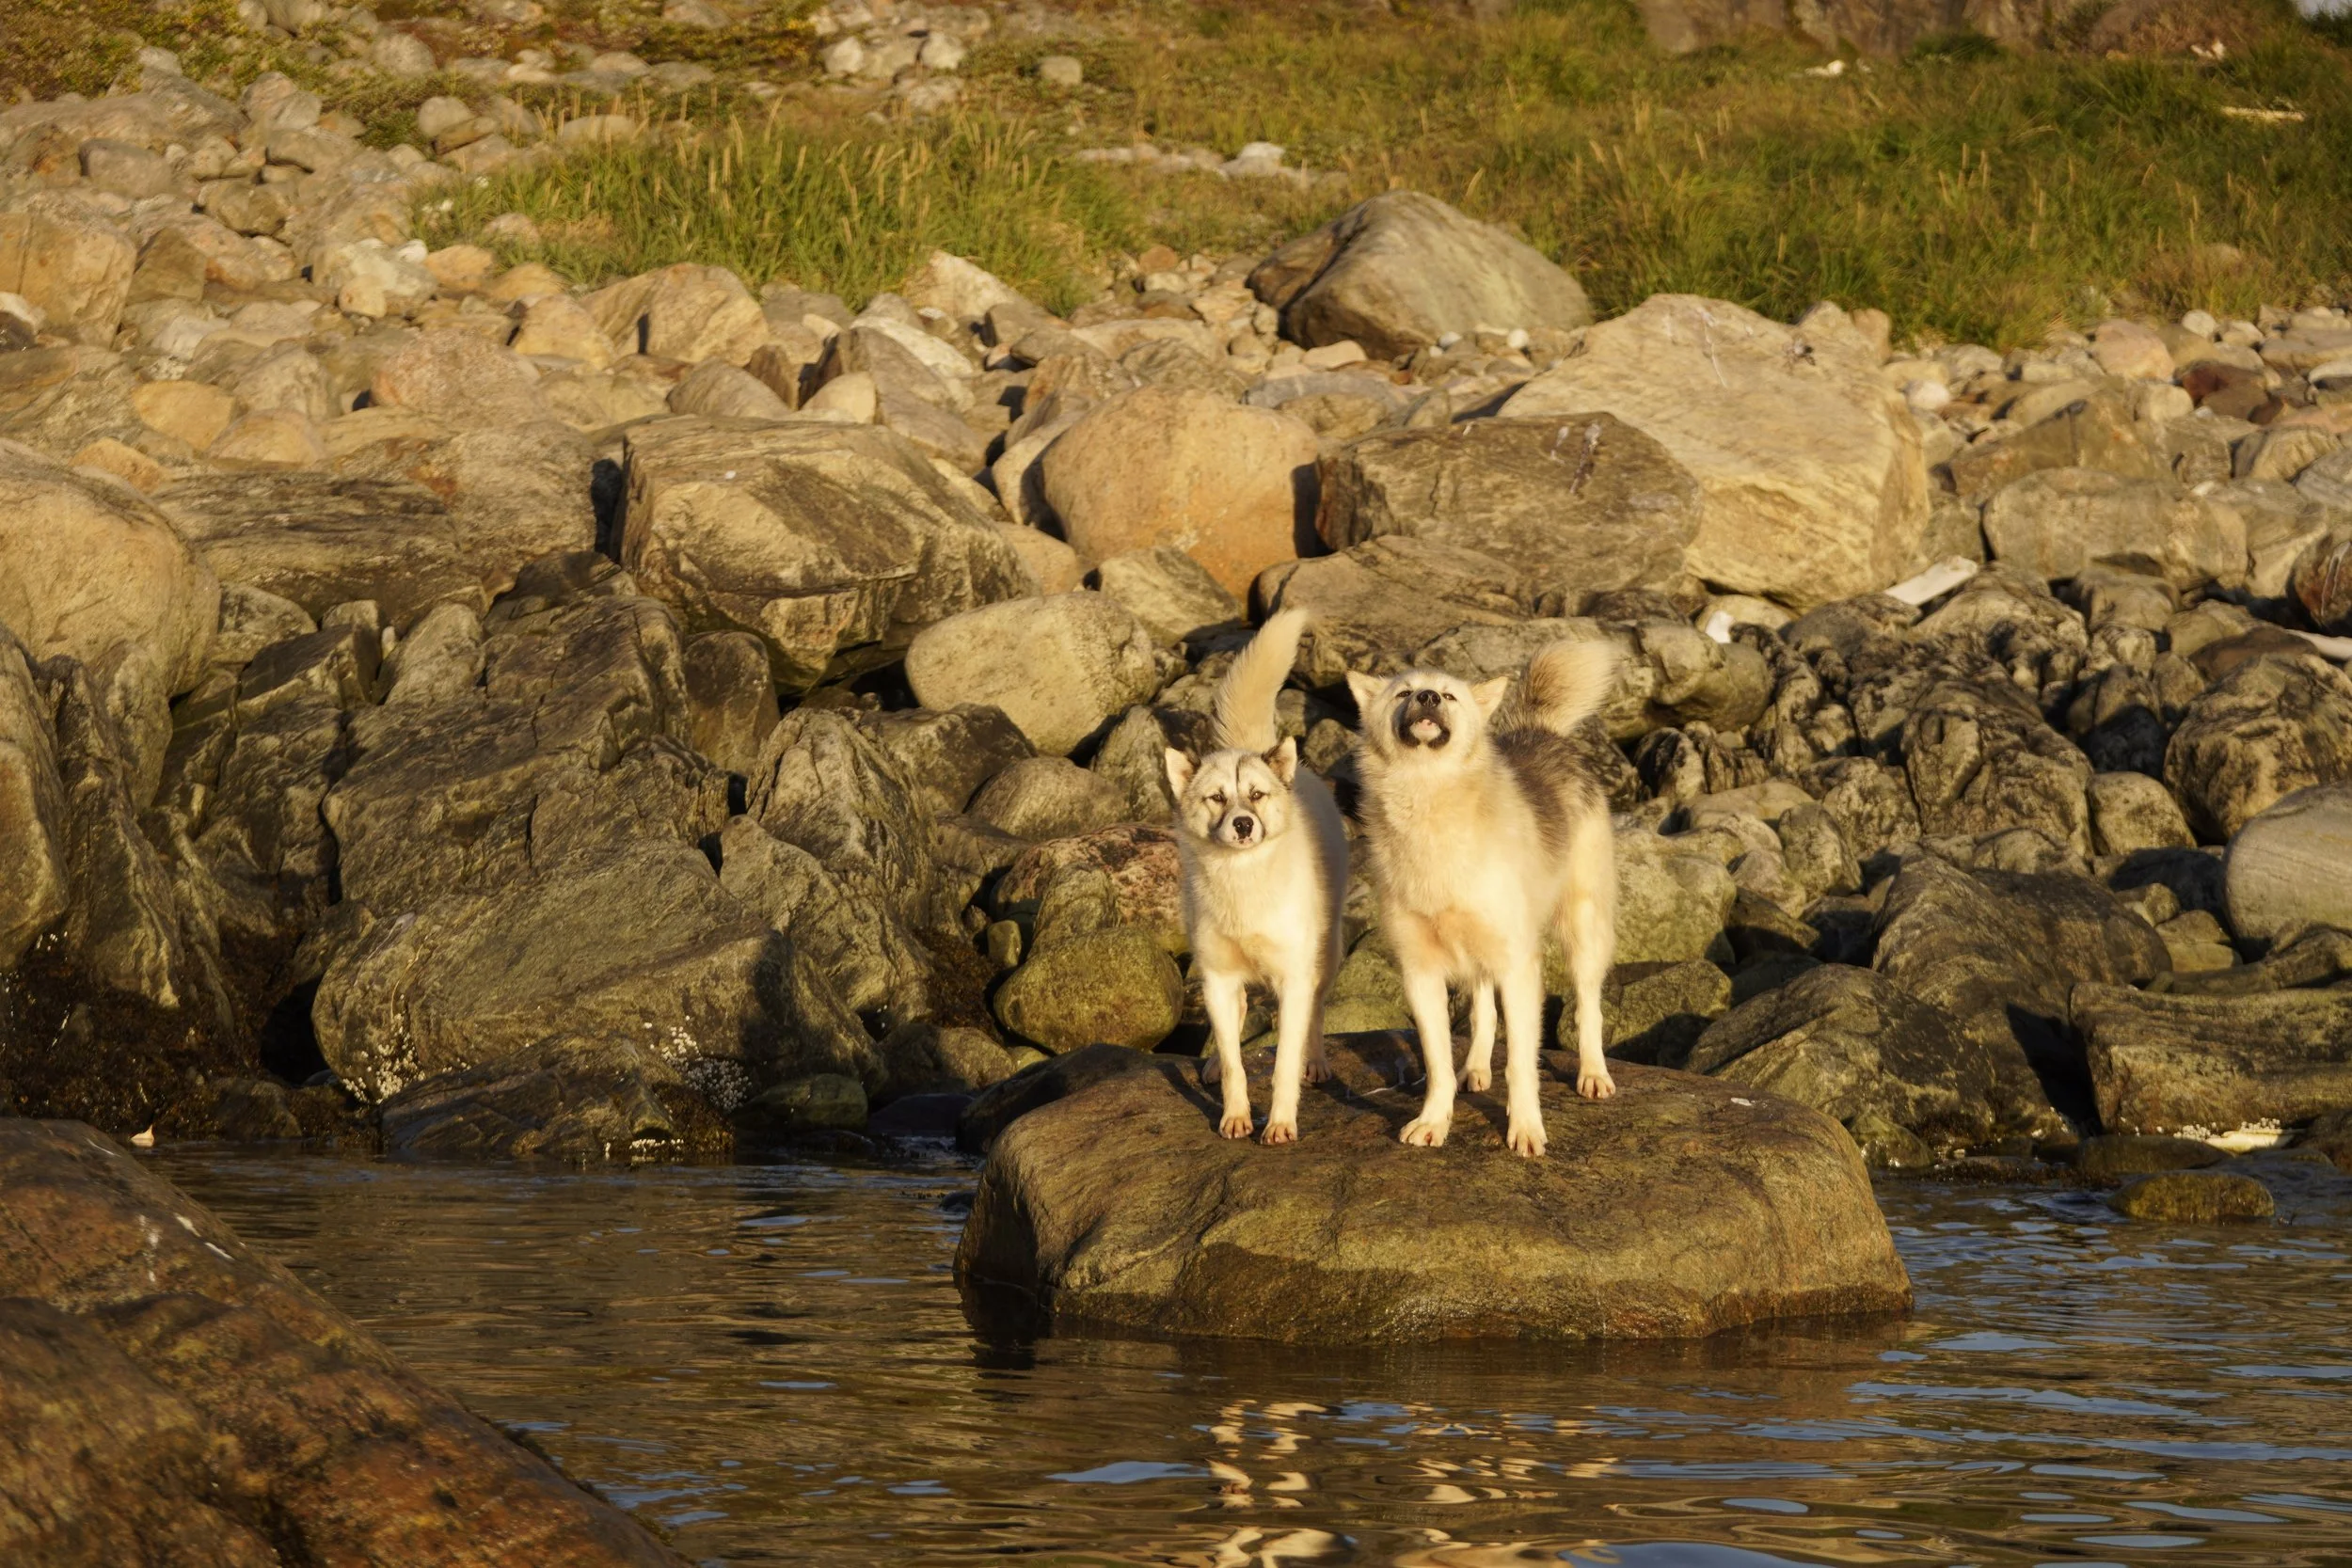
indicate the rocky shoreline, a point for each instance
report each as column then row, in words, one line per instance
column 485, row 712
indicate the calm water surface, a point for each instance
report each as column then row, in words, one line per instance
column 771, row 1365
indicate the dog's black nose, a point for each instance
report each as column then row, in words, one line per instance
column 1243, row 826
column 1427, row 697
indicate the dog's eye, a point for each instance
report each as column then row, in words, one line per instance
column 1218, row 801
column 1257, row 794
column 1447, row 695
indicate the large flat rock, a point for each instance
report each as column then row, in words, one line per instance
column 1678, row 1208
column 169, row 1396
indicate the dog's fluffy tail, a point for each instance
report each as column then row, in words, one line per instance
column 1568, row 683
column 1245, row 699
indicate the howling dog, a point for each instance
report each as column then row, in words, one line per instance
column 1482, row 838
column 1266, row 871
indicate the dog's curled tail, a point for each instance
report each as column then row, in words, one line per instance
column 1245, row 699
column 1568, row 683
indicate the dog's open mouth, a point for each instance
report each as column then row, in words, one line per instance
column 1422, row 728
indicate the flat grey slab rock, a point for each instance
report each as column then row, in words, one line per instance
column 1681, row 1207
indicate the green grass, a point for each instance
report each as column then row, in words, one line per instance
column 1972, row 193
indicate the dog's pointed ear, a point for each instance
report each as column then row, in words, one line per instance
column 1366, row 691
column 1489, row 695
column 1284, row 759
column 1180, row 768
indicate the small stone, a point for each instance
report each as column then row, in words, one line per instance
column 941, row 51
column 439, row 113
column 403, row 55
column 1060, row 70
column 2194, row 1197
column 844, row 57
column 272, row 438
column 107, row 455
column 462, row 269
column 596, row 130
column 696, row 13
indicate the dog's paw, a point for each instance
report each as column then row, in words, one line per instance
column 1279, row 1132
column 1318, row 1068
column 1478, row 1080
column 1235, row 1125
column 1596, row 1085
column 1422, row 1132
column 1527, row 1139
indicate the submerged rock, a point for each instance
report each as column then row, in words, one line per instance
column 172, row 1397
column 1676, row 1209
column 2194, row 1197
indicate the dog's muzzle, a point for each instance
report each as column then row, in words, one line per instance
column 1421, row 720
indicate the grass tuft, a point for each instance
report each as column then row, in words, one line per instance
column 1972, row 192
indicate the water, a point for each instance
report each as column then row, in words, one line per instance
column 771, row 1365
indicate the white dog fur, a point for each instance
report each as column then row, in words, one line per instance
column 1266, row 868
column 1482, row 837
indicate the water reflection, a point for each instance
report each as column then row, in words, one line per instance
column 772, row 1364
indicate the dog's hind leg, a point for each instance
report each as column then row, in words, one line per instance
column 1588, row 934
column 1523, row 1028
column 1221, row 993
column 1478, row 1068
column 1297, row 1031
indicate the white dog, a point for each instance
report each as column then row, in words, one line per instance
column 1482, row 839
column 1266, row 870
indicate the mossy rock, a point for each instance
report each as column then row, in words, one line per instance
column 2194, row 1197
column 1118, row 987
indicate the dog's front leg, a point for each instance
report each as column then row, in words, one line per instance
column 1478, row 1068
column 1221, row 993
column 1522, row 1025
column 1299, row 1034
column 1425, row 993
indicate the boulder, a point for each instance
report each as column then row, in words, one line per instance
column 1058, row 668
column 2194, row 1197
column 2094, row 432
column 1811, row 466
column 319, row 540
column 580, row 1098
column 1579, row 504
column 76, row 271
column 2130, row 812
column 1232, row 486
column 1676, row 1210
column 1672, row 901
column 178, row 1396
column 637, row 942
column 2321, row 582
column 1049, row 798
column 33, row 890
column 732, row 697
column 2057, row 522
column 1855, row 1045
column 821, row 783
column 1980, row 761
column 58, row 401
column 818, row 538
column 1171, row 594
column 1139, row 861
column 572, row 736
column 91, row 571
column 2276, row 724
column 945, row 755
column 1997, row 953
column 860, row 946
column 1402, row 270
column 519, row 489
column 453, row 375
column 2215, row 1063
column 1117, row 986
column 2290, row 867
column 1374, row 605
